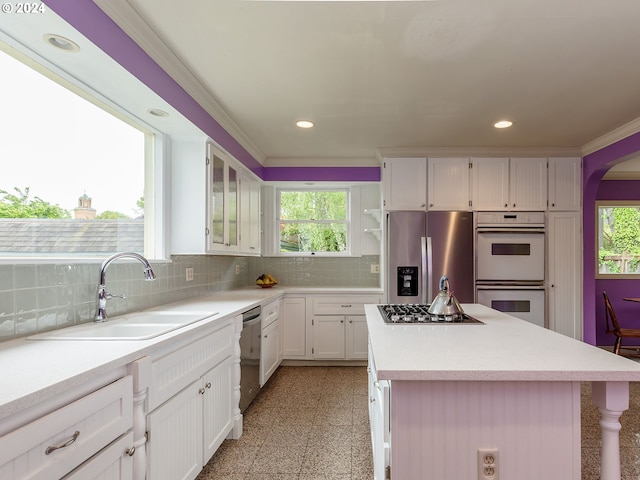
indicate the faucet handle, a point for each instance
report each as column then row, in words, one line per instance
column 109, row 296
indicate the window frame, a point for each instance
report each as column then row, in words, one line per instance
column 607, row 204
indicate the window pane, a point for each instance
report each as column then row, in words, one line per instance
column 618, row 239
column 313, row 237
column 72, row 174
column 313, row 205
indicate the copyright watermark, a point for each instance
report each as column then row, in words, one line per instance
column 33, row 7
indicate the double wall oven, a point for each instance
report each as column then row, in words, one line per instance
column 510, row 263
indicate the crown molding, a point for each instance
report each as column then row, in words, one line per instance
column 398, row 152
column 614, row 136
column 134, row 25
column 321, row 162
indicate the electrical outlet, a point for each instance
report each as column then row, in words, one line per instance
column 375, row 268
column 188, row 274
column 488, row 464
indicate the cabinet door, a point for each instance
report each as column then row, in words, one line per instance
column 490, row 183
column 223, row 203
column 565, row 273
column 232, row 208
column 175, row 441
column 269, row 358
column 329, row 336
column 357, row 337
column 294, row 324
column 448, row 184
column 110, row 463
column 405, row 183
column 249, row 215
column 528, row 184
column 565, row 184
column 217, row 395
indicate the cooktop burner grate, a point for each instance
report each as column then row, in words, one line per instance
column 415, row 314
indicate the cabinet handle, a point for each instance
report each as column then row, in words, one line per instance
column 53, row 448
column 424, row 205
column 372, row 399
column 514, row 205
column 208, row 385
column 350, row 321
column 341, row 321
column 201, row 391
column 264, row 336
column 345, row 306
column 506, row 205
column 130, row 451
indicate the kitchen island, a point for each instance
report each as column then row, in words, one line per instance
column 443, row 395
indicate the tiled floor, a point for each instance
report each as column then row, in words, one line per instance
column 311, row 423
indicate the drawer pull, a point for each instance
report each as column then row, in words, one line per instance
column 345, row 306
column 208, row 385
column 53, row 448
column 130, row 451
column 201, row 391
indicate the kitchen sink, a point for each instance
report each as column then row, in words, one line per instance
column 133, row 326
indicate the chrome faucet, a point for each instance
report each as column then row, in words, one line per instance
column 102, row 295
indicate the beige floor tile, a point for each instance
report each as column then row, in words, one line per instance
column 279, row 459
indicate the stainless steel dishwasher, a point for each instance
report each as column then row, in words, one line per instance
column 250, row 356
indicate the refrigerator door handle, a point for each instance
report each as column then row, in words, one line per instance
column 425, row 243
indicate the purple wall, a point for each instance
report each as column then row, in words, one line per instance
column 595, row 165
column 94, row 24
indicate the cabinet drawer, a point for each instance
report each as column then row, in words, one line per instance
column 79, row 430
column 270, row 314
column 175, row 371
column 348, row 305
column 112, row 462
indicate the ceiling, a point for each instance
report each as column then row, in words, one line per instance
column 397, row 75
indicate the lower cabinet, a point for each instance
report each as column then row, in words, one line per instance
column 294, row 328
column 269, row 351
column 380, row 422
column 340, row 327
column 185, row 432
column 91, row 434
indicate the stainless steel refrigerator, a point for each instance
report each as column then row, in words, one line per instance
column 423, row 246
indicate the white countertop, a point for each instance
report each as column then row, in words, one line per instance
column 34, row 371
column 503, row 349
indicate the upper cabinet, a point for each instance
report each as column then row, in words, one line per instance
column 509, row 184
column 250, row 213
column 448, row 184
column 404, row 183
column 215, row 205
column 565, row 184
column 222, row 221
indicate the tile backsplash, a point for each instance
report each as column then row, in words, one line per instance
column 45, row 296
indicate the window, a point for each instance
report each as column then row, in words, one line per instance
column 618, row 240
column 73, row 173
column 313, row 221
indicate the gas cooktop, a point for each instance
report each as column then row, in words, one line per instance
column 414, row 314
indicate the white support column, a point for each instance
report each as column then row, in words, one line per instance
column 141, row 371
column 236, row 432
column 612, row 398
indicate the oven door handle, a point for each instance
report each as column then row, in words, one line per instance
column 506, row 286
column 510, row 230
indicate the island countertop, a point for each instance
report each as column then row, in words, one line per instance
column 503, row 349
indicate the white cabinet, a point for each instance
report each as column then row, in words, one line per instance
column 113, row 462
column 404, row 183
column 270, row 356
column 339, row 326
column 380, row 422
column 509, row 184
column 565, row 273
column 249, row 215
column 294, row 325
column 565, row 183
column 222, row 218
column 448, row 184
column 55, row 444
column 192, row 402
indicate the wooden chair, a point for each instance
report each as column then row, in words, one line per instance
column 614, row 328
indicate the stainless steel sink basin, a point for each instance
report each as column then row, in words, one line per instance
column 133, row 326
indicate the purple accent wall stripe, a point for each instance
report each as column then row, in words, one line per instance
column 594, row 167
column 323, row 174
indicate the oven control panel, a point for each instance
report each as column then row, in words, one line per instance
column 529, row 219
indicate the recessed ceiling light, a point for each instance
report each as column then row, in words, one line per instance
column 156, row 112
column 304, row 124
column 503, row 124
column 61, row 43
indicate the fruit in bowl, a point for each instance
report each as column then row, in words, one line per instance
column 266, row 281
